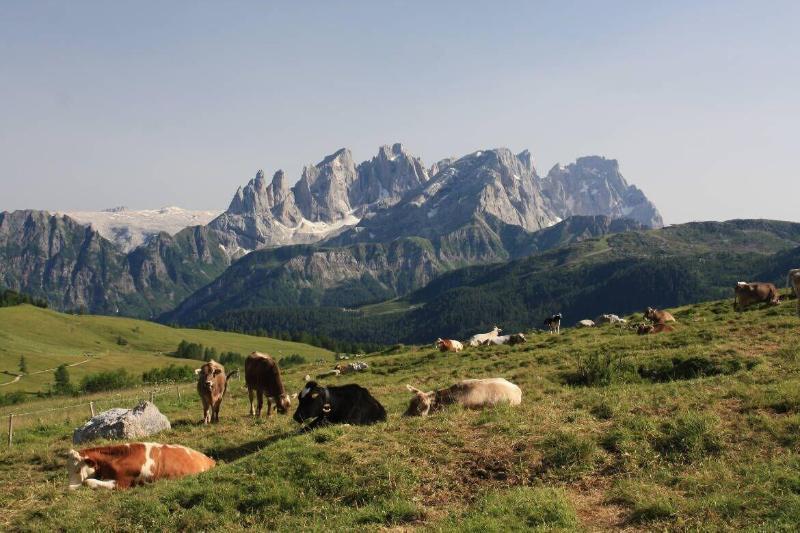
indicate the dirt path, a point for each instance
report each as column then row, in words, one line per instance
column 20, row 376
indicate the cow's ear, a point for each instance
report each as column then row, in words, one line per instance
column 217, row 371
column 197, row 371
column 413, row 389
column 75, row 455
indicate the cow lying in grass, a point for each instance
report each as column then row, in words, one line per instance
column 470, row 393
column 124, row 465
column 448, row 345
column 517, row 338
column 344, row 404
column 747, row 294
column 656, row 316
column 646, row 329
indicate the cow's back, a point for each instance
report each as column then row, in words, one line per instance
column 261, row 372
column 174, row 461
column 477, row 393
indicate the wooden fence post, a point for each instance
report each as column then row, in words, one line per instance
column 10, row 429
column 152, row 397
column 91, row 408
column 178, row 390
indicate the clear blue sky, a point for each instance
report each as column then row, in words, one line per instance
column 149, row 104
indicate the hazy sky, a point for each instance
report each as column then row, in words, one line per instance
column 148, row 104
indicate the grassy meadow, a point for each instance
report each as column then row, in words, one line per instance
column 47, row 339
column 693, row 430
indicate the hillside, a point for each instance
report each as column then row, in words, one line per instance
column 693, row 430
column 617, row 273
column 47, row 339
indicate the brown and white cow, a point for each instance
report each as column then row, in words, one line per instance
column 517, row 338
column 657, row 316
column 263, row 377
column 747, row 294
column 124, row 465
column 481, row 338
column 470, row 393
column 211, row 385
column 448, row 345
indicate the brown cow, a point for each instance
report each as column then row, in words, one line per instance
column 796, row 286
column 646, row 329
column 747, row 294
column 658, row 317
column 262, row 376
column 448, row 345
column 124, row 465
column 211, row 385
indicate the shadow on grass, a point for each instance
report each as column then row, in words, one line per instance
column 237, row 452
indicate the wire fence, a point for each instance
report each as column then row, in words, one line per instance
column 83, row 410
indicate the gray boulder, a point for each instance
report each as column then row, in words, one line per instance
column 142, row 421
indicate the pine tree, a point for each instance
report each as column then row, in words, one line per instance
column 23, row 365
column 62, row 384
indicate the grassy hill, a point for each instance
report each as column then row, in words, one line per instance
column 697, row 429
column 47, row 339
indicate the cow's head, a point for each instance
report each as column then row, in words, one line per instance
column 421, row 403
column 284, row 402
column 311, row 403
column 79, row 468
column 438, row 343
column 649, row 313
column 207, row 375
column 518, row 338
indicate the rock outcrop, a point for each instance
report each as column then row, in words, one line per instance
column 142, row 421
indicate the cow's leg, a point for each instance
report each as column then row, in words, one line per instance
column 100, row 484
column 269, row 406
column 260, row 402
column 215, row 411
column 206, row 411
column 251, row 394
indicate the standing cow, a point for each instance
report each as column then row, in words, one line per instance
column 747, row 294
column 263, row 377
column 211, row 385
column 481, row 338
column 469, row 393
column 791, row 281
column 554, row 323
column 796, row 287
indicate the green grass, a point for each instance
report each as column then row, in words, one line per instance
column 694, row 430
column 47, row 339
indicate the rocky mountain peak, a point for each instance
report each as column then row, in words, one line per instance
column 387, row 177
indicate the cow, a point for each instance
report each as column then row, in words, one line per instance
column 263, row 377
column 791, row 281
column 796, row 287
column 554, row 323
column 517, row 338
column 125, row 465
column 646, row 329
column 327, row 374
column 658, row 317
column 344, row 404
column 351, row 368
column 448, row 345
column 747, row 294
column 585, row 323
column 469, row 393
column 610, row 319
column 211, row 385
column 480, row 338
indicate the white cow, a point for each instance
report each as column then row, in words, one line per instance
column 469, row 393
column 791, row 281
column 481, row 338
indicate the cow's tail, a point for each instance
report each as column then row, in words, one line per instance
column 227, row 378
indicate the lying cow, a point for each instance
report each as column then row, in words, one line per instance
column 448, row 345
column 646, row 329
column 657, row 316
column 263, row 377
column 517, row 338
column 326, row 374
column 211, row 385
column 481, row 338
column 747, row 294
column 553, row 323
column 124, row 465
column 470, row 393
column 585, row 323
column 350, row 368
column 345, row 404
column 610, row 319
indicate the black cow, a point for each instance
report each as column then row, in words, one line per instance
column 345, row 404
column 554, row 323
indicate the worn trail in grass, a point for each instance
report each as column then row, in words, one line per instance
column 696, row 429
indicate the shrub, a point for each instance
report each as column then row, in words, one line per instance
column 689, row 437
column 12, row 398
column 122, row 341
column 62, row 383
column 169, row 373
column 107, row 381
column 599, row 370
column 291, row 360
